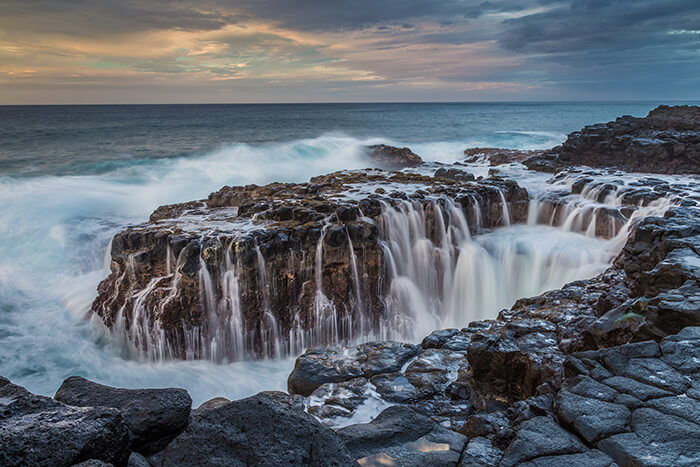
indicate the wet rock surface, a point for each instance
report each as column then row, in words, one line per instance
column 154, row 416
column 401, row 436
column 556, row 380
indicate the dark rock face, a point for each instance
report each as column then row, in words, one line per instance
column 266, row 429
column 154, row 416
column 665, row 141
column 401, row 436
column 268, row 271
column 389, row 157
column 39, row 431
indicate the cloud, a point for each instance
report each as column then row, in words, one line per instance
column 358, row 50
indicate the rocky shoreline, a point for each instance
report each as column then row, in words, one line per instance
column 604, row 371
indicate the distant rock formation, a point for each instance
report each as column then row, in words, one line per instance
column 393, row 158
column 666, row 141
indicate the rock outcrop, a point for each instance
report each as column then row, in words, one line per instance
column 392, row 158
column 666, row 141
column 267, row 271
column 533, row 387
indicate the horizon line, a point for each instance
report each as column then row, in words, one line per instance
column 563, row 101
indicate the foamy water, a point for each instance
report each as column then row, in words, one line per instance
column 55, row 230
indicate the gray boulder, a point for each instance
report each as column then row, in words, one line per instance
column 265, row 429
column 154, row 416
column 39, row 431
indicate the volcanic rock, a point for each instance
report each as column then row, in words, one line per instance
column 154, row 416
column 39, row 431
column 390, row 157
column 265, row 429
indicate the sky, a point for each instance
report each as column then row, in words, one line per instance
column 209, row 51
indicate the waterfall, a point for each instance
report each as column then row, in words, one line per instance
column 445, row 264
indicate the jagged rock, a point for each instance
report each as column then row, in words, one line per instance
column 316, row 367
column 265, row 429
column 591, row 418
column 39, row 431
column 667, row 140
column 154, row 416
column 390, row 157
column 682, row 351
column 404, row 437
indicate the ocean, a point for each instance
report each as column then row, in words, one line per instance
column 73, row 176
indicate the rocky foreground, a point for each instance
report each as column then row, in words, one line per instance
column 601, row 372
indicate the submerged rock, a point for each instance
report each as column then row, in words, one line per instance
column 39, row 431
column 401, row 436
column 154, row 416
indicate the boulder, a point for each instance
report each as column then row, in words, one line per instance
column 154, row 416
column 265, row 429
column 39, row 431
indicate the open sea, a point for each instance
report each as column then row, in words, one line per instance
column 73, row 176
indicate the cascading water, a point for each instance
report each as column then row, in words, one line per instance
column 451, row 279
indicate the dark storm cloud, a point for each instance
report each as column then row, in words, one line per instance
column 598, row 25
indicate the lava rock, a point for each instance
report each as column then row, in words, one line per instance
column 391, row 157
column 265, row 429
column 154, row 416
column 39, row 431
